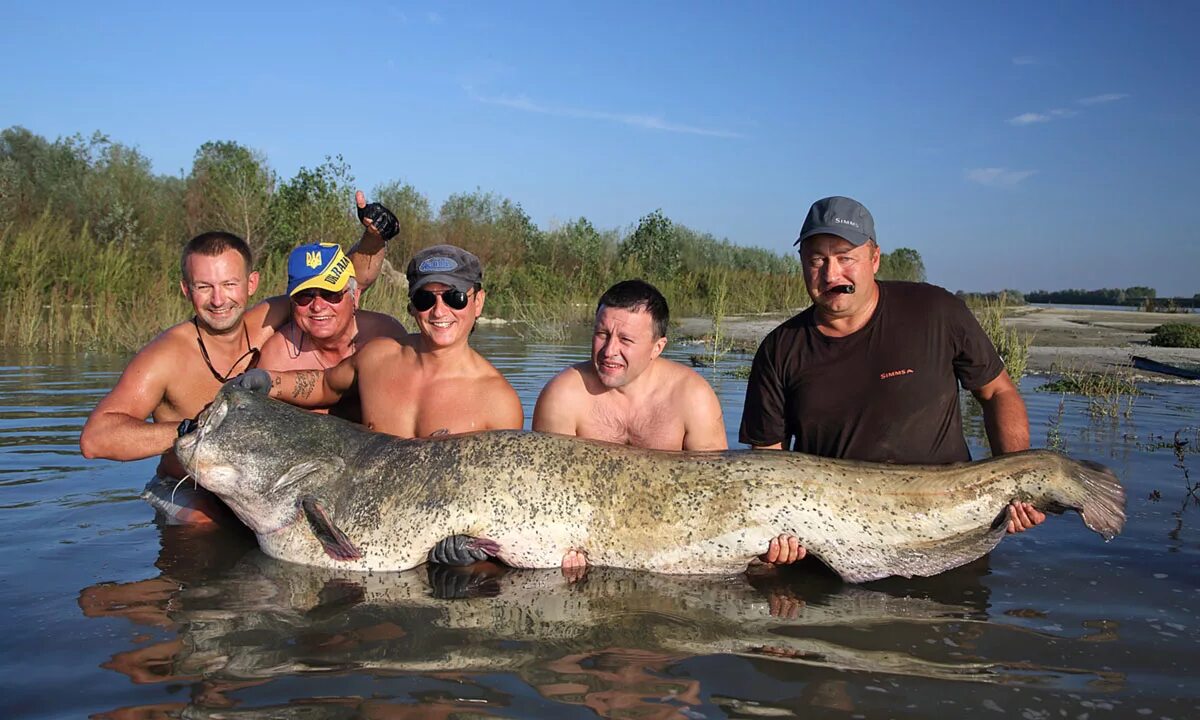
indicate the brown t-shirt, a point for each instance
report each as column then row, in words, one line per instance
column 887, row 393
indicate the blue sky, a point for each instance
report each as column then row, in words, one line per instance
column 1015, row 145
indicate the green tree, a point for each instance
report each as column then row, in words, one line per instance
column 230, row 188
column 314, row 206
column 902, row 264
column 653, row 246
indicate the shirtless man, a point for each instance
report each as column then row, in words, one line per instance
column 432, row 384
column 327, row 325
column 175, row 376
column 627, row 393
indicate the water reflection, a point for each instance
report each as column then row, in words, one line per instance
column 613, row 641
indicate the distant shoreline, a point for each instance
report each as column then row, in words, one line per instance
column 1083, row 338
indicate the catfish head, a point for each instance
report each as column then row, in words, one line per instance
column 262, row 457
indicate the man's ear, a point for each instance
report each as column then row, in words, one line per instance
column 659, row 345
column 252, row 285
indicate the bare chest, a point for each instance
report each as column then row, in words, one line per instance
column 649, row 425
column 408, row 405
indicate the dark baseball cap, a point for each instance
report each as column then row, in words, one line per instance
column 842, row 216
column 446, row 264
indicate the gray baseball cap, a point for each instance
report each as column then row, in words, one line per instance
column 842, row 216
column 446, row 264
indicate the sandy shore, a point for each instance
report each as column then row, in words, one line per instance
column 1085, row 339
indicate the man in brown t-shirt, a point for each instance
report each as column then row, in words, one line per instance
column 871, row 370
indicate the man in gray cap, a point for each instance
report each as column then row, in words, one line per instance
column 871, row 370
column 431, row 383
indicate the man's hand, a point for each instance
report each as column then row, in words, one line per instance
column 784, row 550
column 376, row 218
column 256, row 380
column 1022, row 516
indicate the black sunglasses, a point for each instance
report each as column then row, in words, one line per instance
column 305, row 298
column 423, row 299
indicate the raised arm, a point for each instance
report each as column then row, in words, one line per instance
column 379, row 226
column 118, row 428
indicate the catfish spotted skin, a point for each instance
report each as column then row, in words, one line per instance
column 538, row 495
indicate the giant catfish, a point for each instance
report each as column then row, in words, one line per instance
column 321, row 491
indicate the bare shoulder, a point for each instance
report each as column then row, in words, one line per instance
column 277, row 350
column 384, row 348
column 373, row 325
column 574, row 380
column 150, row 373
column 263, row 319
column 683, row 379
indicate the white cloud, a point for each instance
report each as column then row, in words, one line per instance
column 1030, row 118
column 649, row 122
column 1024, row 60
column 998, row 177
column 1101, row 99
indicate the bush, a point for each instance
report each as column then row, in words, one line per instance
column 1177, row 335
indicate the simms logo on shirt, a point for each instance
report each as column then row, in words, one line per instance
column 894, row 373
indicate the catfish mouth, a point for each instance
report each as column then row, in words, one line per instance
column 187, row 446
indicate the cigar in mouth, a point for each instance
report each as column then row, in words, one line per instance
column 845, row 289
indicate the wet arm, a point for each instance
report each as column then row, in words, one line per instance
column 314, row 388
column 118, row 428
column 1004, row 415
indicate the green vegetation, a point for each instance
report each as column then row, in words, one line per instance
column 1109, row 394
column 1106, row 296
column 1012, row 345
column 93, row 240
column 1177, row 335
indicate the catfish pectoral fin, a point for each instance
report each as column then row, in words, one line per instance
column 335, row 542
column 463, row 550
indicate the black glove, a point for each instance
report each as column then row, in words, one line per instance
column 186, row 426
column 256, row 380
column 384, row 220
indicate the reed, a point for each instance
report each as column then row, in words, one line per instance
column 1111, row 393
column 1012, row 345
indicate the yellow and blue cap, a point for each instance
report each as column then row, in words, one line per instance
column 320, row 265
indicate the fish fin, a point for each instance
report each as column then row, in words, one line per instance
column 299, row 471
column 335, row 542
column 857, row 564
column 1103, row 507
column 463, row 550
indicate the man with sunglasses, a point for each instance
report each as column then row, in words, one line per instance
column 432, row 383
column 327, row 325
column 175, row 376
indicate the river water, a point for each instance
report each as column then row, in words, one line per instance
column 109, row 615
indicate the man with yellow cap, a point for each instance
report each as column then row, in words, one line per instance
column 327, row 325
column 434, row 383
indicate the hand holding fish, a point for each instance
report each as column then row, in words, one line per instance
column 255, row 380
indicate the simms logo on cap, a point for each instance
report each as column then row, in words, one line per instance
column 437, row 263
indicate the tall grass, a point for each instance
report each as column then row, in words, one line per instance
column 67, row 289
column 1012, row 345
column 1109, row 394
